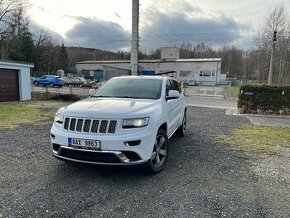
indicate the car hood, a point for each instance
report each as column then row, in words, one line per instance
column 110, row 108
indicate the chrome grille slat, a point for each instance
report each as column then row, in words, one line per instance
column 66, row 122
column 103, row 126
column 87, row 126
column 72, row 125
column 112, row 126
column 95, row 126
column 90, row 125
column 79, row 125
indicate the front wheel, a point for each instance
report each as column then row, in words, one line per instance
column 36, row 83
column 159, row 154
column 51, row 84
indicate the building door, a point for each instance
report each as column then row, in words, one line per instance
column 9, row 85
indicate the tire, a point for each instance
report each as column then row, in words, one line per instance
column 36, row 83
column 182, row 128
column 51, row 84
column 158, row 159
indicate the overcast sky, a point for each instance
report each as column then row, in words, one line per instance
column 106, row 24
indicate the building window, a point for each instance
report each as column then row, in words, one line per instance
column 185, row 73
column 207, row 73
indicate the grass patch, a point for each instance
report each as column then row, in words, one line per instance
column 259, row 140
column 231, row 92
column 12, row 115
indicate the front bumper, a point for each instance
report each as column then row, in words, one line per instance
column 114, row 148
column 95, row 157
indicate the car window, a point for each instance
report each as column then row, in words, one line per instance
column 131, row 88
column 175, row 85
column 168, row 87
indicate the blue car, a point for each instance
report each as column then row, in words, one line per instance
column 49, row 80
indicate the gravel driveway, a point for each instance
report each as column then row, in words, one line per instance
column 201, row 179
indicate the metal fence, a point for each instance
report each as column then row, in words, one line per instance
column 70, row 90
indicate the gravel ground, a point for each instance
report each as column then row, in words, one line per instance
column 201, row 179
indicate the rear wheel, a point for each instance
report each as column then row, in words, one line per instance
column 36, row 83
column 51, row 84
column 159, row 154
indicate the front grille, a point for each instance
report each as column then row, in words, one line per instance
column 90, row 125
column 72, row 125
column 103, row 127
column 90, row 156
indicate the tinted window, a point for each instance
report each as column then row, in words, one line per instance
column 168, row 87
column 175, row 85
column 131, row 88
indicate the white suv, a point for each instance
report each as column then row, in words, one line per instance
column 125, row 122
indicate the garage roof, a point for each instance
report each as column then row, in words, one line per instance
column 16, row 63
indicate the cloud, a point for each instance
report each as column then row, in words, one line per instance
column 170, row 26
column 35, row 29
column 95, row 33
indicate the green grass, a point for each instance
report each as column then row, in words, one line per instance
column 234, row 91
column 12, row 115
column 259, row 140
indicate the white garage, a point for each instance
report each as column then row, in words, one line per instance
column 15, row 81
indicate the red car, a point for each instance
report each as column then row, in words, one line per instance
column 93, row 84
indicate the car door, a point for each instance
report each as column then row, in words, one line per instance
column 172, row 106
column 43, row 80
column 178, row 110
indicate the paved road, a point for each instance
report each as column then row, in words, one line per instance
column 202, row 179
column 269, row 120
column 211, row 102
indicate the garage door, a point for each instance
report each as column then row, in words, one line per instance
column 9, row 88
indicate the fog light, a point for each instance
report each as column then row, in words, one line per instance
column 122, row 157
column 52, row 136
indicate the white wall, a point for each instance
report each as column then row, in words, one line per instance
column 23, row 77
column 160, row 67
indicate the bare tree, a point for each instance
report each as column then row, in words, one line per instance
column 271, row 49
column 6, row 8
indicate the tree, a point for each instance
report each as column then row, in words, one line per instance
column 268, row 67
column 20, row 42
column 6, row 8
column 63, row 57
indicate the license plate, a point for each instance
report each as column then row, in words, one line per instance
column 84, row 143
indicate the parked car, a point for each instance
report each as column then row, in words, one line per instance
column 51, row 80
column 94, row 84
column 192, row 83
column 74, row 81
column 128, row 121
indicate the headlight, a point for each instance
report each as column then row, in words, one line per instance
column 58, row 118
column 135, row 123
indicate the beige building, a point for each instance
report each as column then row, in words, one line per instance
column 205, row 71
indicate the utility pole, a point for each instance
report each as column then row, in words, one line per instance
column 270, row 78
column 245, row 68
column 135, row 37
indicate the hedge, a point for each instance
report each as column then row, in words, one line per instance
column 55, row 96
column 264, row 97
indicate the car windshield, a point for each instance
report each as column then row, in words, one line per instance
column 131, row 88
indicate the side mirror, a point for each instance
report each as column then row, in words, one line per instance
column 173, row 94
column 91, row 92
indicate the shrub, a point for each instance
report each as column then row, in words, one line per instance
column 54, row 96
column 264, row 97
